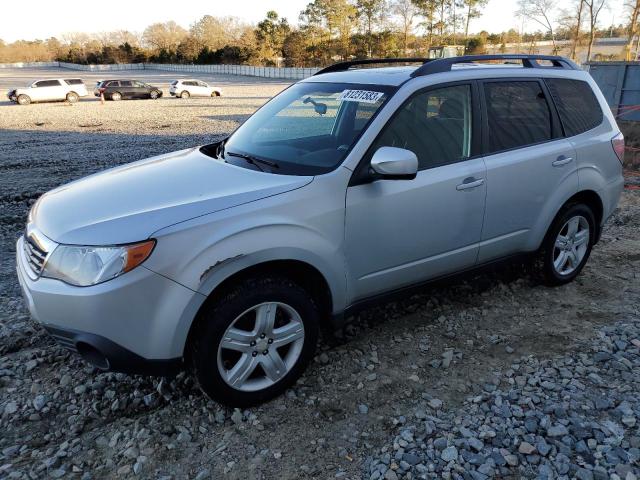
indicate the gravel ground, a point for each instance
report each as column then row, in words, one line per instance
column 492, row 376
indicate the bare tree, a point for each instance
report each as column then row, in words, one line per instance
column 578, row 26
column 634, row 28
column 593, row 8
column 371, row 14
column 473, row 10
column 541, row 12
column 406, row 12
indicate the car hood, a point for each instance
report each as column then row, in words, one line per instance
column 129, row 203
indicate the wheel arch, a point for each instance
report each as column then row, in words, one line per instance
column 591, row 199
column 303, row 273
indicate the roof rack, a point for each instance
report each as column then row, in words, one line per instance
column 528, row 61
column 342, row 66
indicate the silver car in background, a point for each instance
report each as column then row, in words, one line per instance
column 349, row 187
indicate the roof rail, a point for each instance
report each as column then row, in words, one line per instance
column 342, row 66
column 528, row 61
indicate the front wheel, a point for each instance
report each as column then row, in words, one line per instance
column 24, row 100
column 155, row 94
column 568, row 244
column 185, row 94
column 255, row 341
column 116, row 96
column 72, row 97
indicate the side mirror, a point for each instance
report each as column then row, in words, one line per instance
column 395, row 163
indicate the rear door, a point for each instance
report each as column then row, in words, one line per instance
column 112, row 87
column 531, row 167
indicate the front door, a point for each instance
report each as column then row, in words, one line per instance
column 401, row 232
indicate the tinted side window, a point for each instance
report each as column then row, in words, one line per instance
column 435, row 125
column 74, row 81
column 518, row 114
column 125, row 83
column 578, row 107
column 48, row 83
column 113, row 84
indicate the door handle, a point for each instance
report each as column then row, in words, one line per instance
column 562, row 160
column 470, row 183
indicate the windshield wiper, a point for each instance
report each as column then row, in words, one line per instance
column 254, row 160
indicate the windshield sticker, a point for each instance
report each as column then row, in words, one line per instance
column 362, row 96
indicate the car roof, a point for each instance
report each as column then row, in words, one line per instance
column 393, row 76
column 397, row 75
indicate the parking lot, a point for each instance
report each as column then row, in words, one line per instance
column 401, row 377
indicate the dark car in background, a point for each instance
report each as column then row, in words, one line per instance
column 122, row 89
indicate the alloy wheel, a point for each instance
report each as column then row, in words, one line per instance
column 260, row 346
column 571, row 245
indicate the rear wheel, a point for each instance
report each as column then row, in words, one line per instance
column 24, row 99
column 255, row 341
column 116, row 96
column 568, row 244
column 72, row 97
column 155, row 94
column 215, row 94
column 185, row 94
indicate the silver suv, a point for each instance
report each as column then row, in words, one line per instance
column 346, row 188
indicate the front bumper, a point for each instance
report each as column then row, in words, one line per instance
column 135, row 323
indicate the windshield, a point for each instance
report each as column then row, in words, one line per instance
column 306, row 130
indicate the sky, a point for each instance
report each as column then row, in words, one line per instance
column 48, row 19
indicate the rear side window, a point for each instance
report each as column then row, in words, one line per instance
column 48, row 83
column 578, row 107
column 74, row 81
column 125, row 83
column 518, row 114
column 113, row 84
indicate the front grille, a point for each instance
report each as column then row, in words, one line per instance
column 35, row 255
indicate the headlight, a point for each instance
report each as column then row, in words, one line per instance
column 84, row 266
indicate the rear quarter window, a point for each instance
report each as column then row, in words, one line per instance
column 577, row 105
column 74, row 81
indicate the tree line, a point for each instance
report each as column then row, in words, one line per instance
column 331, row 30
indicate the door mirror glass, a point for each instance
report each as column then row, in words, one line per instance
column 395, row 163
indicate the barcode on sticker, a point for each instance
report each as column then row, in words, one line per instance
column 363, row 96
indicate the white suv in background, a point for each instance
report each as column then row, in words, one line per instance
column 52, row 90
column 193, row 88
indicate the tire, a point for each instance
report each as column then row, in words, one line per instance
column 72, row 97
column 154, row 95
column 296, row 320
column 567, row 245
column 116, row 96
column 23, row 99
column 185, row 94
column 215, row 94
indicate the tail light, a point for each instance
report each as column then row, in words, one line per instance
column 618, row 146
